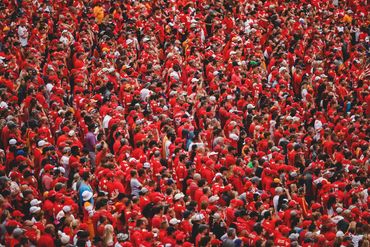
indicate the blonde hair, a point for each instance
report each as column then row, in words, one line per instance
column 108, row 235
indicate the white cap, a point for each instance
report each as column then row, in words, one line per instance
column 213, row 199
column 216, row 216
column 198, row 217
column 318, row 125
column 129, row 41
column 61, row 169
column 234, row 137
column 12, row 141
column 67, row 208
column 337, row 218
column 3, row 105
column 250, row 106
column 144, row 190
column 86, row 195
column 64, row 238
column 282, row 69
column 34, row 209
column 132, row 160
column 35, row 202
column 178, row 196
column 218, row 174
column 174, row 221
column 339, row 210
column 49, row 87
column 146, row 165
column 41, row 143
column 212, row 153
column 71, row 133
column 294, row 174
column 339, row 234
column 279, row 189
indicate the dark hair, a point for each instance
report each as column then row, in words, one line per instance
column 75, row 150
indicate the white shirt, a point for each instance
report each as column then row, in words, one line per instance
column 23, row 35
column 144, row 93
column 275, row 200
column 106, row 120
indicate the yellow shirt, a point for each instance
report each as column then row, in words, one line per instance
column 347, row 19
column 98, row 13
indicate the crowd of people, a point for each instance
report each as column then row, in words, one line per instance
column 184, row 123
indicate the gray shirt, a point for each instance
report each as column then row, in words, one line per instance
column 135, row 186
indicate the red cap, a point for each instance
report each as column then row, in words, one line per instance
column 292, row 203
column 17, row 213
column 84, row 227
column 13, row 223
column 315, row 206
column 48, row 167
column 216, row 242
column 306, row 223
column 126, row 244
column 180, row 236
column 284, row 230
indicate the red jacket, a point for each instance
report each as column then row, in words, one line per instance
column 46, row 240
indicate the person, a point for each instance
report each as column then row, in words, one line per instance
column 218, row 226
column 135, row 185
column 90, row 143
column 88, row 212
column 84, row 185
column 47, row 239
column 228, row 239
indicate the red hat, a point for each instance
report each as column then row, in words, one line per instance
column 13, row 223
column 51, row 193
column 126, row 244
column 180, row 236
column 306, row 223
column 216, row 242
column 40, row 226
column 365, row 215
column 84, row 227
column 20, row 158
column 315, row 206
column 292, row 203
column 330, row 236
column 48, row 167
column 264, row 196
column 15, row 175
column 356, row 211
column 59, row 196
column 17, row 213
column 237, row 202
column 285, row 230
column 230, row 160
